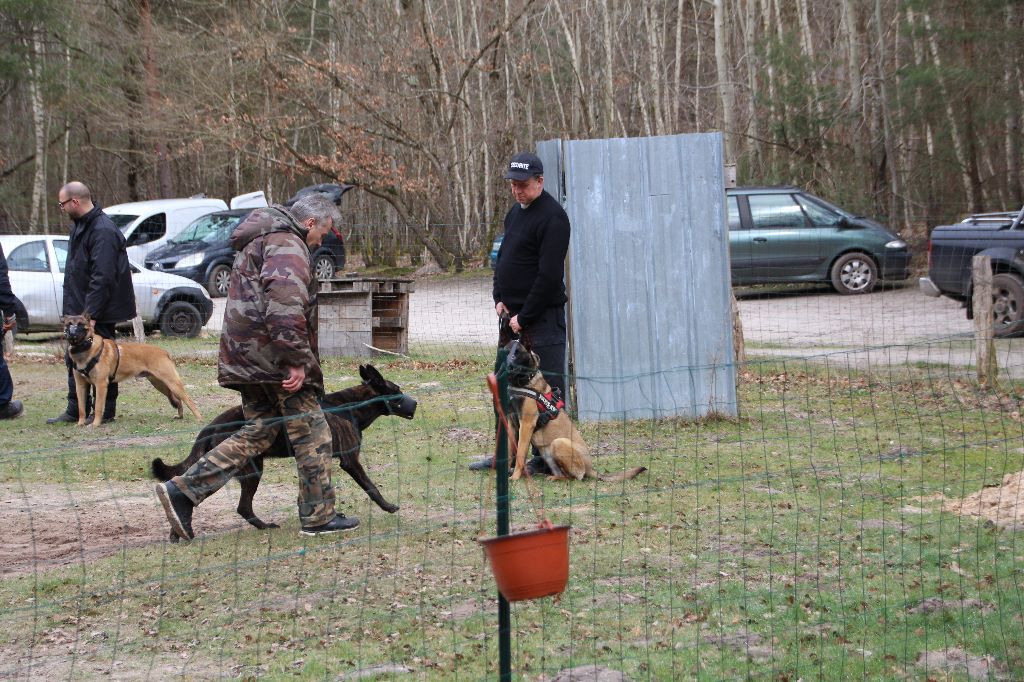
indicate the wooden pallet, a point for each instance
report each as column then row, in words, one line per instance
column 358, row 315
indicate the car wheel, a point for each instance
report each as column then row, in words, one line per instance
column 217, row 282
column 323, row 266
column 181, row 318
column 854, row 273
column 1007, row 304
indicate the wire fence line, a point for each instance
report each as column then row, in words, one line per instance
column 859, row 518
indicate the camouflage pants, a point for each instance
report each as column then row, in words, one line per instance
column 268, row 408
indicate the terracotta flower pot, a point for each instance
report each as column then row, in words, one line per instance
column 531, row 564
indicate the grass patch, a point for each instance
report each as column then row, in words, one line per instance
column 806, row 538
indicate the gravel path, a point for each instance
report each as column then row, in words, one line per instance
column 890, row 325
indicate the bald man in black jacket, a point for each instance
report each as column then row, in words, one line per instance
column 97, row 281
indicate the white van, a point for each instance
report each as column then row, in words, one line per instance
column 150, row 224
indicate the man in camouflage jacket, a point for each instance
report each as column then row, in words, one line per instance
column 268, row 352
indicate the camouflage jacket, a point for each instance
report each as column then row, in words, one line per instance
column 270, row 319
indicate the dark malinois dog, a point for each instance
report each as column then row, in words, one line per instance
column 349, row 412
column 537, row 416
column 98, row 361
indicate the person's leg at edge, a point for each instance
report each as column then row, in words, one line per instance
column 9, row 408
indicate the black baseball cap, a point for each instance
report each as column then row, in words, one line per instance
column 524, row 166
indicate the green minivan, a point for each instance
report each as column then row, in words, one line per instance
column 784, row 234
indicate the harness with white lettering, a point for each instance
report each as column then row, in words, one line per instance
column 548, row 404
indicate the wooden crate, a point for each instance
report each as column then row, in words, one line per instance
column 360, row 314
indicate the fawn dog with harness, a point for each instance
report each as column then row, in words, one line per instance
column 537, row 417
column 98, row 361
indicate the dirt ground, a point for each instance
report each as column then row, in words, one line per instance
column 48, row 526
column 1001, row 504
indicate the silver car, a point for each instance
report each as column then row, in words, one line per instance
column 175, row 305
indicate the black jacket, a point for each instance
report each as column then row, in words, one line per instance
column 97, row 277
column 529, row 276
column 8, row 301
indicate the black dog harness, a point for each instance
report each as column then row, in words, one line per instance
column 548, row 404
column 89, row 366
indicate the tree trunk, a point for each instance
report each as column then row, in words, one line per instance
column 35, row 89
column 887, row 126
column 608, row 115
column 954, row 129
column 677, row 71
column 807, row 40
column 726, row 90
column 653, row 26
column 165, row 180
column 753, row 144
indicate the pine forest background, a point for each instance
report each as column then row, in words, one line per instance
column 905, row 110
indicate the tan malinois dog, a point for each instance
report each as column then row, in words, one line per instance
column 538, row 417
column 97, row 361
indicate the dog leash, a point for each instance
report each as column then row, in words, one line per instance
column 505, row 431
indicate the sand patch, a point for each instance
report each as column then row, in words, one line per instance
column 1001, row 504
column 48, row 525
column 959, row 661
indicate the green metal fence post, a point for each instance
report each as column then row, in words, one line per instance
column 501, row 475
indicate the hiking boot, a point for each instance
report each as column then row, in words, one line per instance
column 534, row 466
column 482, row 464
column 63, row 418
column 339, row 523
column 12, row 410
column 538, row 466
column 178, row 508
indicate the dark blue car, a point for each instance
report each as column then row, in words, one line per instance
column 203, row 253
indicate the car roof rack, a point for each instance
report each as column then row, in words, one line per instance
column 1001, row 217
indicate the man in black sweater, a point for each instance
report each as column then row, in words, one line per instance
column 97, row 281
column 529, row 277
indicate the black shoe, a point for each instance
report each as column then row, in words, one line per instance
column 178, row 509
column 339, row 523
column 92, row 415
column 538, row 466
column 12, row 410
column 63, row 418
column 482, row 464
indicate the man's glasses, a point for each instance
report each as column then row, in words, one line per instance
column 60, row 204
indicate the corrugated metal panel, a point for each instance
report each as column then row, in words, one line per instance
column 649, row 274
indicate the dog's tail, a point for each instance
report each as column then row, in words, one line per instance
column 624, row 475
column 165, row 472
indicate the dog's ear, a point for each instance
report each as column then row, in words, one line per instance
column 370, row 374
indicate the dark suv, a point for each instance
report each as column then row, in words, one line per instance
column 203, row 253
column 784, row 234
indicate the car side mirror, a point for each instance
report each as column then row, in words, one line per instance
column 845, row 223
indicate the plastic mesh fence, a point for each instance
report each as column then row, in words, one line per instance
column 858, row 519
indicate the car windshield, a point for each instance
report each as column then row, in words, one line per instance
column 122, row 220
column 205, row 226
column 222, row 233
column 831, row 207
